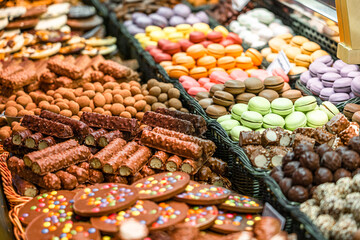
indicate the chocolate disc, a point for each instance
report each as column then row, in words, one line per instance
column 242, row 204
column 201, row 217
column 171, row 213
column 201, row 194
column 230, row 222
column 105, row 198
column 144, row 211
column 55, row 201
column 162, row 186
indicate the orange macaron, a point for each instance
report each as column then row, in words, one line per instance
column 226, row 62
column 216, row 50
column 178, row 71
column 198, row 72
column 185, row 61
column 196, row 51
column 244, row 62
column 233, row 50
column 255, row 56
column 207, row 61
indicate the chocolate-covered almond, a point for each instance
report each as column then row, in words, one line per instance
column 331, row 160
column 302, row 176
column 298, row 194
column 322, row 175
column 290, row 168
column 322, row 149
column 285, row 184
column 341, row 173
column 310, row 160
column 350, row 160
column 289, row 157
column 301, row 148
column 277, row 175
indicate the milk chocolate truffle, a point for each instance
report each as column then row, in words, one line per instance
column 341, row 150
column 354, row 144
column 331, row 160
column 285, row 184
column 341, row 173
column 350, row 160
column 301, row 148
column 289, row 157
column 290, row 168
column 322, row 175
column 322, row 149
column 298, row 194
column 277, row 175
column 310, row 160
column 302, row 176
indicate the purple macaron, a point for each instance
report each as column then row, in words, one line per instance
column 315, row 67
column 316, row 88
column 349, row 68
column 312, row 81
column 327, row 60
column 182, row 10
column 353, row 74
column 342, row 85
column 352, row 95
column 355, row 86
column 304, row 77
column 339, row 97
column 165, row 12
column 339, row 64
column 325, row 93
column 329, row 78
column 176, row 20
column 324, row 70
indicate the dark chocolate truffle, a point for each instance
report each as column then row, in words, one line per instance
column 322, row 149
column 350, row 160
column 302, row 176
column 302, row 148
column 310, row 160
column 285, row 184
column 298, row 194
column 331, row 160
column 340, row 173
column 322, row 175
column 290, row 168
column 341, row 150
column 289, row 157
column 354, row 144
column 277, row 175
column 357, row 171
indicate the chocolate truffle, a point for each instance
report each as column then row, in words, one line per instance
column 290, row 168
column 324, row 190
column 277, row 175
column 354, row 144
column 350, row 160
column 331, row 160
column 333, row 205
column 340, row 173
column 322, row 149
column 310, row 160
column 298, row 194
column 302, row 176
column 289, row 157
column 302, row 148
column 285, row 184
column 341, row 150
column 322, row 175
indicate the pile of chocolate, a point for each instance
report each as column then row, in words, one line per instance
column 224, row 12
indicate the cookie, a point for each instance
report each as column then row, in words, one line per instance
column 242, row 204
column 103, row 199
column 39, row 51
column 146, row 212
column 72, row 49
column 103, row 50
column 171, row 213
column 81, row 11
column 34, row 11
column 56, row 10
column 162, row 186
column 201, row 217
column 85, row 24
column 10, row 44
column 51, row 23
column 55, row 201
column 230, row 222
column 23, row 23
column 3, row 23
column 12, row 12
column 201, row 194
column 52, row 36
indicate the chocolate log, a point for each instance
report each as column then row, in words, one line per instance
column 63, row 68
column 79, row 128
column 109, row 122
column 285, row 137
column 93, row 137
column 249, row 138
column 55, row 149
column 307, row 131
column 204, row 173
column 349, row 133
column 19, row 137
column 146, row 171
column 114, row 69
column 154, row 119
column 33, row 140
column 173, row 163
column 171, row 144
column 105, row 139
column 99, row 159
column 135, row 162
column 277, row 154
column 95, row 176
column 113, row 164
column 46, row 142
column 260, row 158
column 23, row 187
column 337, row 124
column 158, row 160
column 189, row 166
column 68, row 181
column 197, row 121
column 47, row 127
column 48, row 181
column 270, row 137
column 81, row 174
column 84, row 165
column 217, row 166
column 61, row 160
column 299, row 138
column 112, row 178
column 14, row 149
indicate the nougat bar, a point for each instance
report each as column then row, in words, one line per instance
column 105, row 139
column 114, row 69
column 46, row 142
column 68, row 181
column 135, row 162
column 33, row 140
column 307, row 131
column 249, row 138
column 113, row 164
column 19, row 79
column 23, row 187
column 63, row 68
column 218, row 166
column 81, row 174
column 95, row 176
column 92, row 138
column 99, row 159
column 173, row 163
column 158, row 160
column 337, row 124
column 321, row 135
column 19, row 136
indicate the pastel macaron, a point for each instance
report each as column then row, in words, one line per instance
column 295, row 120
column 235, row 132
column 316, row 118
column 273, row 120
column 329, row 108
column 305, row 104
column 251, row 119
column 282, row 106
column 228, row 125
column 238, row 109
column 259, row 104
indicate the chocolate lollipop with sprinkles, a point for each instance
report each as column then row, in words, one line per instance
column 105, row 198
column 201, row 217
column 55, row 201
column 242, row 204
column 146, row 212
column 162, row 186
column 230, row 222
column 201, row 194
column 171, row 213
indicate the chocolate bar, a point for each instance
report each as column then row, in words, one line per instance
column 197, row 121
column 135, row 162
column 299, row 138
column 112, row 178
column 350, row 132
column 337, row 124
column 158, row 160
column 154, row 119
column 14, row 149
column 95, row 176
column 18, row 79
column 173, row 163
column 113, row 164
column 109, row 122
column 84, row 165
column 19, row 136
column 68, row 181
column 105, row 139
column 63, row 68
column 93, row 137
column 46, row 142
column 48, row 181
column 23, row 187
column 307, row 131
column 270, row 137
column 81, row 174
column 277, row 154
column 204, row 173
column 249, row 149
column 47, row 77
column 260, row 158
column 249, row 138
column 189, row 166
column 99, row 159
column 171, row 144
column 322, row 136
column 137, row 176
column 47, row 127
column 60, row 160
column 114, row 69
column 58, row 148
column 218, row 166
column 33, row 140
column 146, row 171
column 79, row 128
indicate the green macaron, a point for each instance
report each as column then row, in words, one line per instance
column 238, row 109
column 272, row 120
column 260, row 130
column 282, row 106
column 316, row 118
column 260, row 105
column 295, row 120
column 329, row 108
column 235, row 132
column 224, row 118
column 251, row 119
column 305, row 104
column 229, row 124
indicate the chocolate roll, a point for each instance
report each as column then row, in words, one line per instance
column 158, row 160
column 48, row 181
column 112, row 178
column 61, row 160
column 105, row 139
column 109, row 122
column 276, row 155
column 260, row 158
column 99, row 159
column 50, row 151
column 197, row 121
column 78, row 127
column 19, row 137
column 171, row 144
column 307, row 131
column 322, row 136
column 204, row 173
column 33, row 140
column 46, row 142
column 95, row 176
column 249, row 149
column 81, row 174
column 349, row 133
column 337, row 124
column 154, row 119
column 23, row 187
column 63, row 68
column 146, row 171
column 135, row 162
column 113, row 164
column 84, row 165
column 14, row 149
column 218, row 166
column 173, row 163
column 47, row 127
column 137, row 176
column 302, row 139
column 114, row 69
column 189, row 166
column 270, row 137
column 284, row 137
column 249, row 138
column 93, row 137
column 68, row 181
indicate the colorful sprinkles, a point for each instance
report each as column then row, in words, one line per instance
column 235, row 222
column 199, row 216
column 241, row 203
column 170, row 214
column 153, row 186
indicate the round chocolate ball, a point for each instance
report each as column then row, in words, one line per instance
column 289, row 156
column 277, row 175
column 322, row 175
column 285, row 184
column 357, row 171
column 310, row 160
column 311, row 191
column 341, row 173
column 341, row 150
column 322, row 149
column 354, row 144
column 302, row 148
column 350, row 160
column 290, row 168
column 331, row 160
column 302, row 176
column 298, row 194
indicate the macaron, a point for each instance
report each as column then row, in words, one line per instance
column 356, row 117
column 297, row 70
column 329, row 78
column 255, row 56
column 282, row 106
column 202, row 95
column 350, row 109
column 355, row 86
column 326, row 59
column 260, row 105
column 293, row 95
column 224, row 118
column 298, row 41
column 316, row 118
column 254, row 85
column 337, row 98
column 304, row 77
column 244, row 62
column 196, row 51
column 226, row 62
column 223, row 98
column 275, row 83
column 185, row 61
column 238, row 109
column 228, row 125
column 206, row 102
column 342, row 85
column 207, row 61
column 215, row 111
column 295, row 120
column 309, row 47
column 347, row 69
column 291, row 52
column 272, row 120
column 325, row 93
column 324, row 70
column 305, row 104
column 330, row 109
column 339, row 64
column 302, row 60
column 216, row 50
column 216, row 87
column 235, row 132
column 244, row 97
column 269, row 94
column 234, row 87
column 251, row 119
column 198, row 72
column 233, row 50
column 315, row 67
column 178, row 71
column 276, row 44
column 316, row 88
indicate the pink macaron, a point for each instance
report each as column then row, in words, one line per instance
column 279, row 72
column 260, row 74
column 195, row 90
column 238, row 74
column 203, row 81
column 219, row 77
